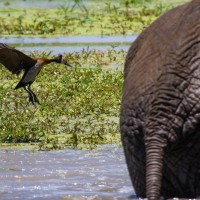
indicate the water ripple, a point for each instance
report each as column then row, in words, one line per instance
column 69, row 174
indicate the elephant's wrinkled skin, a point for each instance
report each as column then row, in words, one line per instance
column 160, row 111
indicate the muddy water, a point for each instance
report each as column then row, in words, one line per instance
column 67, row 174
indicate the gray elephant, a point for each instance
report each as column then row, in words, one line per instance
column 160, row 110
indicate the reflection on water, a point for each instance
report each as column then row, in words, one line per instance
column 67, row 174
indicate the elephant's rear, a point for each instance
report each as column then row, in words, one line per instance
column 157, row 89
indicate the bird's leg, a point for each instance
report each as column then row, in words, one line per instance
column 34, row 95
column 30, row 95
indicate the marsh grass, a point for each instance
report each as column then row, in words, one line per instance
column 104, row 18
column 80, row 106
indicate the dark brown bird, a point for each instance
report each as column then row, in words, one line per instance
column 16, row 61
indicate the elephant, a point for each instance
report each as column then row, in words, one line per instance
column 160, row 106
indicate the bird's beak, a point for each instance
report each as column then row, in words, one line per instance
column 64, row 62
column 68, row 65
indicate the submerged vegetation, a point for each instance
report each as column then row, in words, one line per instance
column 80, row 106
column 95, row 18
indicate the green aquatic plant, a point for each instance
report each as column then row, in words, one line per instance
column 76, row 108
column 121, row 17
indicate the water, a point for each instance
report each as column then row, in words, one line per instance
column 65, row 49
column 45, row 4
column 35, row 3
column 70, row 44
column 67, row 174
column 70, row 39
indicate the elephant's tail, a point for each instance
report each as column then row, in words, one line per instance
column 154, row 166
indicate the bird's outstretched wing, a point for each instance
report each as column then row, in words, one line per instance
column 14, row 60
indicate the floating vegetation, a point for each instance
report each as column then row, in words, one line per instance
column 106, row 18
column 80, row 106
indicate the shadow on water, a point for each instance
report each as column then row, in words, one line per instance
column 62, row 44
column 67, row 174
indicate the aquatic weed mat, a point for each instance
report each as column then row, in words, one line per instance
column 79, row 106
column 97, row 18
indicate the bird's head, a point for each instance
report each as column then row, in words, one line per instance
column 59, row 59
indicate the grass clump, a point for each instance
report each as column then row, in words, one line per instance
column 80, row 106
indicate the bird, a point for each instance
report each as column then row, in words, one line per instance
column 16, row 61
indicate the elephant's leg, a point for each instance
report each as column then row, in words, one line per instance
column 134, row 148
column 181, row 173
